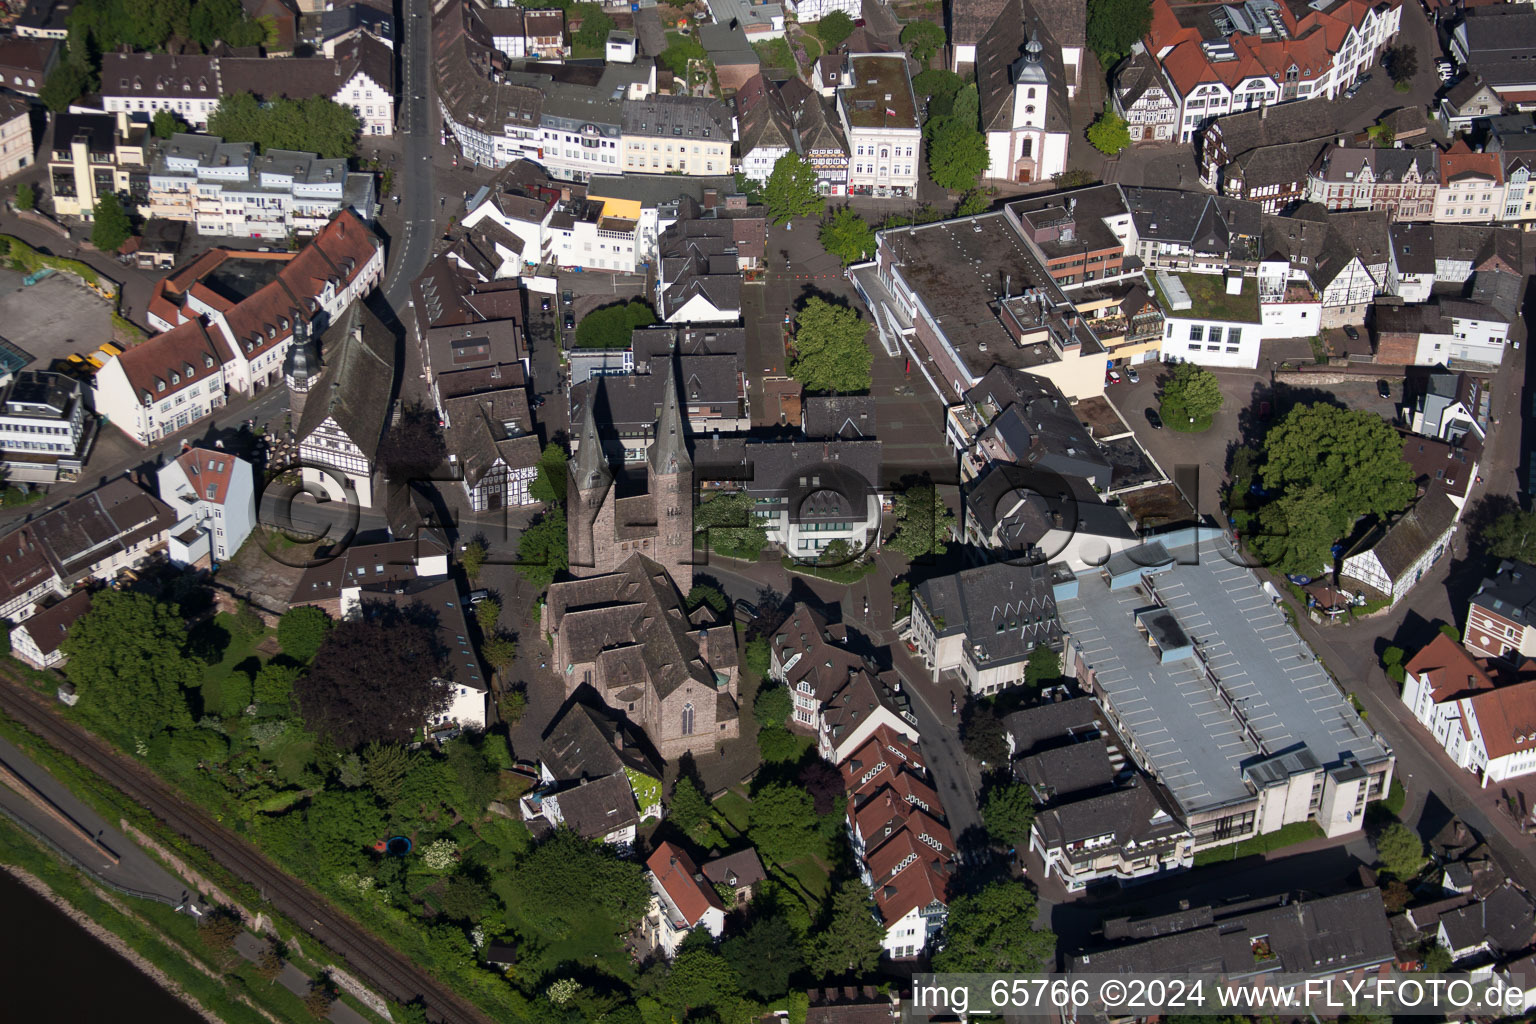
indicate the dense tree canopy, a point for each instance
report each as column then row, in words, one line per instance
column 1191, row 393
column 848, row 236
column 1009, row 811
column 834, row 27
column 994, row 931
column 766, row 955
column 850, row 940
column 1352, row 454
column 302, row 630
column 783, row 822
column 957, row 150
column 541, row 550
column 128, row 656
column 939, row 86
column 1400, row 851
column 566, row 883
column 166, row 124
column 373, row 680
column 315, row 124
column 1109, row 133
column 688, row 808
column 595, row 26
column 922, row 39
column 830, row 353
column 1296, row 532
column 923, row 521
column 1511, row 535
column 65, row 84
column 549, row 485
column 112, row 225
column 1114, row 25
column 612, row 326
column 730, row 527
column 791, row 190
column 982, row 733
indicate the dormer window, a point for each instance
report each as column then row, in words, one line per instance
column 175, row 377
column 159, row 385
column 149, row 399
column 187, row 370
column 208, row 361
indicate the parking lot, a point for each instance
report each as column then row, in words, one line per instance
column 53, row 318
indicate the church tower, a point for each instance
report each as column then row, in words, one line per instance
column 301, row 368
column 589, row 498
column 669, row 476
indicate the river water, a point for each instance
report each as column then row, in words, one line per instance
column 51, row 969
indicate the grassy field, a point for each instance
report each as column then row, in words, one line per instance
column 1290, row 835
column 733, row 808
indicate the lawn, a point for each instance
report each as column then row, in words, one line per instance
column 733, row 808
column 850, row 573
column 1209, row 299
column 1290, row 835
column 775, row 54
column 236, row 652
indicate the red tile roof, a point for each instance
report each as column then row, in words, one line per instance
column 1506, row 717
column 1460, row 161
column 1451, row 671
column 176, row 359
column 209, row 473
column 907, row 873
column 675, row 871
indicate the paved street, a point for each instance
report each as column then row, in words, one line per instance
column 415, row 123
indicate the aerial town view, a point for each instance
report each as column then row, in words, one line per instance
column 767, row 511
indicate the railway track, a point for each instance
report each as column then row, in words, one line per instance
column 376, row 962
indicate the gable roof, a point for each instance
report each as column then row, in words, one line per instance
column 585, row 743
column 599, row 807
column 675, row 872
column 209, row 472
column 356, row 387
column 739, row 869
column 49, row 627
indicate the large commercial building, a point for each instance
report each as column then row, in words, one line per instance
column 224, row 188
column 45, row 429
column 95, row 155
column 878, row 112
column 1216, row 695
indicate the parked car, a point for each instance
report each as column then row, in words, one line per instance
column 746, row 610
column 544, row 305
column 476, row 596
column 1383, row 389
column 1351, row 333
column 1131, row 375
column 1153, row 419
column 537, row 401
column 570, row 321
column 1112, row 377
column 1352, row 91
column 566, row 298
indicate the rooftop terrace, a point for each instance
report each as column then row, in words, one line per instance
column 1208, row 298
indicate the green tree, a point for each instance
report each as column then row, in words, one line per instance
column 994, row 931
column 847, row 236
column 1353, row 454
column 541, row 550
column 701, row 979
column 236, row 693
column 758, row 656
column 128, row 660
column 782, row 823
column 1401, row 62
column 26, row 196
column 922, row 40
column 613, row 326
column 385, row 766
column 704, row 593
column 65, row 84
column 487, row 614
column 1193, row 395
column 732, row 528
column 1400, row 851
column 1512, row 535
column 499, row 651
column 1437, row 959
column 274, row 684
column 567, row 885
column 1297, row 531
column 466, row 899
column 791, row 190
column 302, row 630
column 1113, row 25
column 549, row 485
column 1009, row 811
column 166, row 124
column 939, row 86
column 976, row 201
column 830, row 352
column 473, row 559
column 850, row 941
column 778, row 745
column 957, row 150
column 374, row 678
column 315, row 124
column 680, row 52
column 1382, row 135
column 475, row 779
column 112, row 226
column 766, row 956
column 595, row 26
column 923, row 521
column 833, row 28
column 1043, row 666
column 688, row 809
column 983, row 734
column 1109, row 133
column 773, row 705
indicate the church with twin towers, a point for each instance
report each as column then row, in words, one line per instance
column 619, row 624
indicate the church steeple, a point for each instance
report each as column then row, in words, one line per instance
column 669, row 454
column 589, row 469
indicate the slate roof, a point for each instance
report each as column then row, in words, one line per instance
column 1132, row 817
column 845, row 417
column 1510, row 592
column 1003, row 610
column 439, row 596
column 1404, row 542
column 1022, row 504
column 1208, row 224
column 478, row 433
column 1276, row 124
column 635, row 616
column 1504, row 921
column 86, row 530
column 1330, row 935
column 1058, row 773
column 358, row 382
column 594, row 809
column 586, row 743
column 1052, row 724
column 49, row 627
column 739, row 869
column 1001, row 58
column 821, row 480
